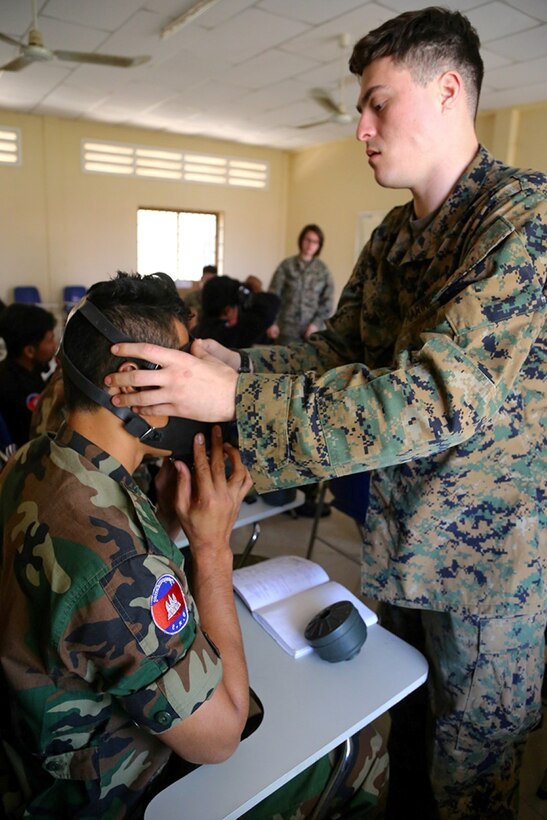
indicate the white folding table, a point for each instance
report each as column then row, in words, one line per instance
column 310, row 707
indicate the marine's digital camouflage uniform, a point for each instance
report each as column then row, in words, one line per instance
column 432, row 373
column 93, row 677
column 306, row 290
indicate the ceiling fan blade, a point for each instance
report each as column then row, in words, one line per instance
column 325, row 100
column 313, row 124
column 101, row 59
column 10, row 40
column 17, row 64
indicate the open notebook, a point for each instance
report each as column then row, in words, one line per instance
column 283, row 595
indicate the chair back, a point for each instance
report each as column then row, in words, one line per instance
column 29, row 294
column 71, row 295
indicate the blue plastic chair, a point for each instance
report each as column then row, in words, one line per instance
column 350, row 496
column 29, row 294
column 71, row 295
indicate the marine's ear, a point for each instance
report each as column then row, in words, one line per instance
column 450, row 89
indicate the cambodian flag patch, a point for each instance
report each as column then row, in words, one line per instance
column 168, row 605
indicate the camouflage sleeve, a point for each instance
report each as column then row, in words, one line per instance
column 136, row 634
column 325, row 301
column 295, row 429
column 49, row 413
column 276, row 285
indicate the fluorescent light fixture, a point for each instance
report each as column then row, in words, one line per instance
column 186, row 17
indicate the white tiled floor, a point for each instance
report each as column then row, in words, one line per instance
column 283, row 535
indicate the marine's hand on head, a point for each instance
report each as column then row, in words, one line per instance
column 198, row 386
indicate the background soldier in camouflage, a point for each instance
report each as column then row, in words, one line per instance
column 306, row 289
column 432, row 373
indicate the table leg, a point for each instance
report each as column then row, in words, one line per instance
column 240, row 560
column 339, row 772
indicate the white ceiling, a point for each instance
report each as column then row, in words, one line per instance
column 243, row 69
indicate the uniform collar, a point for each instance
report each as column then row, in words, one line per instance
column 450, row 216
column 101, row 460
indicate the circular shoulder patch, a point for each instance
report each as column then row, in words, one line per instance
column 31, row 401
column 168, row 605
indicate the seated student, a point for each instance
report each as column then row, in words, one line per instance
column 119, row 680
column 192, row 299
column 107, row 664
column 234, row 315
column 28, row 333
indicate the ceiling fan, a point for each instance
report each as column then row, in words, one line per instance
column 34, row 51
column 338, row 113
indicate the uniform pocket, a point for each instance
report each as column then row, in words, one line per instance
column 504, row 696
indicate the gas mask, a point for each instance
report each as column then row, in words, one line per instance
column 176, row 436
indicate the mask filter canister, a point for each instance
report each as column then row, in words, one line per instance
column 337, row 633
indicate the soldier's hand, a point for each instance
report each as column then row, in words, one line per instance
column 197, row 386
column 223, row 354
column 207, row 502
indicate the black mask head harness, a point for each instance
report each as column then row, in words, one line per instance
column 176, row 436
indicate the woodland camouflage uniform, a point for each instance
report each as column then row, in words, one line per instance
column 306, row 290
column 431, row 372
column 93, row 680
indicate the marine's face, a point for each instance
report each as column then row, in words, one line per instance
column 397, row 124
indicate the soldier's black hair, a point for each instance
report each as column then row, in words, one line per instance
column 219, row 293
column 141, row 307
column 426, row 42
column 22, row 325
column 316, row 229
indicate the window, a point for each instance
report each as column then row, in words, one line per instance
column 10, row 146
column 124, row 159
column 178, row 242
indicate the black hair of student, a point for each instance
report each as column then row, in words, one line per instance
column 426, row 42
column 210, row 269
column 22, row 325
column 316, row 229
column 217, row 294
column 141, row 307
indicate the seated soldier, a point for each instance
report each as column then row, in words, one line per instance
column 107, row 664
column 28, row 333
column 192, row 299
column 233, row 314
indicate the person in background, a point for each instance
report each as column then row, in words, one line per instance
column 192, row 300
column 306, row 289
column 234, row 315
column 29, row 335
column 254, row 283
column 431, row 373
column 7, row 444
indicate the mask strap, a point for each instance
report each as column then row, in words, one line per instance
column 134, row 424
